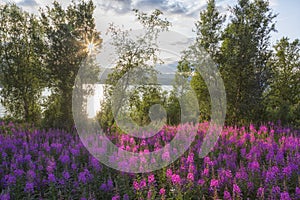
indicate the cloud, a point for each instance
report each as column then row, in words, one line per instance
column 119, row 6
column 274, row 3
column 28, row 3
column 187, row 7
column 169, row 6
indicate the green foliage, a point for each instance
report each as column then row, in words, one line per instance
column 69, row 33
column 209, row 29
column 173, row 109
column 132, row 85
column 244, row 56
column 22, row 48
column 48, row 52
column 208, row 38
column 282, row 96
column 203, row 96
column 142, row 101
column 182, row 88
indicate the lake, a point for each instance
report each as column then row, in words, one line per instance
column 93, row 101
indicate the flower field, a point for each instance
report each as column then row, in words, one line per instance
column 246, row 163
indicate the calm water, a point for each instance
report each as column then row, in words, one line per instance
column 93, row 102
column 2, row 110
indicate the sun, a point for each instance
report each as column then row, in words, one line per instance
column 91, row 45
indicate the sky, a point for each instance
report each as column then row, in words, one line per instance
column 182, row 13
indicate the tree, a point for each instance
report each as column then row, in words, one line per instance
column 134, row 75
column 71, row 33
column 282, row 95
column 208, row 38
column 244, row 56
column 180, row 86
column 145, row 97
column 22, row 49
column 173, row 109
column 209, row 30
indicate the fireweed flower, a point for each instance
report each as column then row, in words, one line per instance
column 73, row 166
column 51, row 178
column 166, row 156
column 132, row 141
column 125, row 197
column 146, row 151
column 250, row 186
column 243, row 152
column 136, row 185
column 227, row 195
column 263, row 129
column 27, row 158
column 279, row 157
column 143, row 184
column 297, row 191
column 260, row 192
column 205, row 172
column 192, row 168
column 169, row 173
column 65, row 159
column 149, row 194
column 4, row 154
column 82, row 177
column 287, row 171
column 66, row 175
column 176, row 179
column 10, row 179
column 29, row 187
column 206, row 160
column 117, row 197
column 190, row 158
column 190, row 177
column 182, row 167
column 61, row 181
column 225, row 175
column 151, row 179
column 270, row 177
column 103, row 187
column 5, row 197
column 19, row 172
column 143, row 143
column 270, row 155
column 153, row 161
column 254, row 166
column 51, row 166
column 40, row 167
column 285, row 196
column 201, row 182
column 74, row 152
column 214, row 183
column 162, row 191
column 275, row 190
column 110, row 184
column 31, row 175
column 236, row 189
column 252, row 128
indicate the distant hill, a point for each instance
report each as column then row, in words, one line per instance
column 165, row 77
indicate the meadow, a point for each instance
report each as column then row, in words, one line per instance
column 246, row 163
